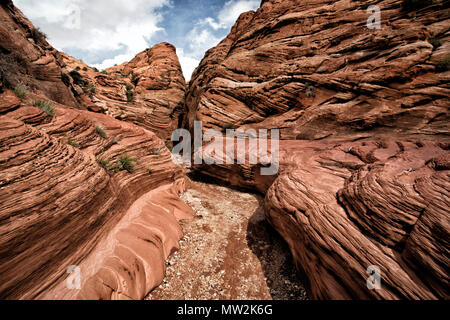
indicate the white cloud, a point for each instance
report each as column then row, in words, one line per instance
column 230, row 13
column 188, row 63
column 100, row 25
column 108, row 32
column 232, row 10
column 202, row 39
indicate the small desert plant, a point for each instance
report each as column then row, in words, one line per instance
column 101, row 132
column 443, row 64
column 125, row 162
column 45, row 106
column 85, row 68
column 116, row 141
column 155, row 152
column 130, row 95
column 169, row 145
column 78, row 68
column 134, row 79
column 38, row 35
column 411, row 5
column 91, row 90
column 21, row 91
column 72, row 143
column 105, row 72
column 150, row 170
column 95, row 69
column 104, row 163
column 435, row 42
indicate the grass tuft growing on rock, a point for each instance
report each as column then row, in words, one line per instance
column 21, row 92
column 130, row 95
column 45, row 106
column 155, row 152
column 72, row 143
column 101, row 132
column 104, row 163
column 125, row 162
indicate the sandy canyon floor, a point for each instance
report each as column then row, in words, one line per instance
column 229, row 251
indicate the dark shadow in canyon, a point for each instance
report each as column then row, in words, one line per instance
column 284, row 280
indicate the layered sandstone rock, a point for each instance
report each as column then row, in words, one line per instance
column 364, row 121
column 58, row 203
column 314, row 69
column 79, row 188
column 148, row 91
column 27, row 59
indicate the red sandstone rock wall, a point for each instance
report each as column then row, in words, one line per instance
column 26, row 59
column 57, row 203
column 155, row 81
column 364, row 119
column 314, row 69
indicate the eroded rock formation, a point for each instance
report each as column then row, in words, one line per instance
column 64, row 188
column 81, row 188
column 27, row 59
column 363, row 116
column 148, row 91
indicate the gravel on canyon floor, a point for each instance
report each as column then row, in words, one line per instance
column 228, row 252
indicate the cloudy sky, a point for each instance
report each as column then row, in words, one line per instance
column 107, row 32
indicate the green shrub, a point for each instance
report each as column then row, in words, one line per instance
column 101, row 132
column 91, row 90
column 37, row 35
column 155, row 152
column 150, row 170
column 21, row 91
column 85, row 68
column 78, row 68
column 130, row 96
column 134, row 79
column 95, row 69
column 105, row 72
column 129, row 87
column 125, row 162
column 443, row 65
column 412, row 5
column 169, row 145
column 104, row 163
column 72, row 143
column 116, row 141
column 45, row 106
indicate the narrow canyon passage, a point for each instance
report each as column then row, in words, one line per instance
column 228, row 251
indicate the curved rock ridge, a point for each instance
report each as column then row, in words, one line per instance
column 27, row 59
column 57, row 203
column 344, row 206
column 147, row 91
column 314, row 69
column 363, row 115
